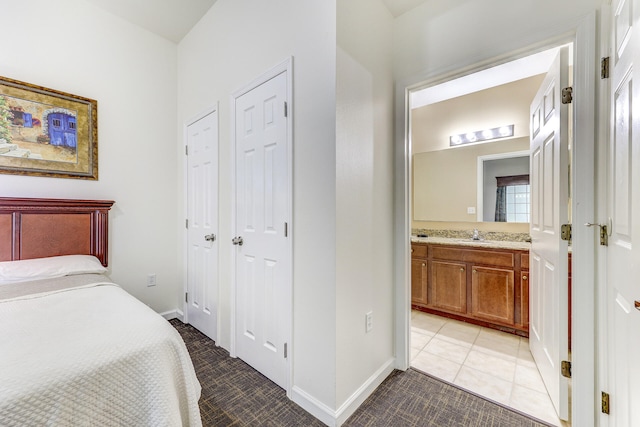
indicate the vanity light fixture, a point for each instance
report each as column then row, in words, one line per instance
column 481, row 135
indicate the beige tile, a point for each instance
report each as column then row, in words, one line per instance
column 490, row 364
column 525, row 357
column 427, row 322
column 419, row 340
column 447, row 350
column 501, row 345
column 529, row 377
column 421, row 331
column 484, row 384
column 414, row 353
column 534, row 403
column 436, row 366
column 459, row 333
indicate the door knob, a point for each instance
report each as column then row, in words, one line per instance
column 237, row 241
column 210, row 237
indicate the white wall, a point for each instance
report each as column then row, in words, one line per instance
column 444, row 35
column 72, row 46
column 234, row 43
column 364, row 178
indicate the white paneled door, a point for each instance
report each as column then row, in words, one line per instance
column 548, row 300
column 202, row 224
column 623, row 254
column 263, row 260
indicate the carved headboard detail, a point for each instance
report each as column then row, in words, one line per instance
column 38, row 228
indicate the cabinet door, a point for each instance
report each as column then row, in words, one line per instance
column 419, row 281
column 524, row 299
column 449, row 286
column 492, row 294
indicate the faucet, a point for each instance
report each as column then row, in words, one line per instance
column 475, row 234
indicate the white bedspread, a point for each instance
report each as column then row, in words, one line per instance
column 92, row 355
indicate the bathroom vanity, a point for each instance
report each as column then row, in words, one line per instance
column 480, row 282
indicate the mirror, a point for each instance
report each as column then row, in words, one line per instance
column 448, row 185
column 448, row 179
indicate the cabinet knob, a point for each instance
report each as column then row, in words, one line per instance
column 524, row 277
column 423, row 264
column 461, row 269
column 411, row 250
column 475, row 271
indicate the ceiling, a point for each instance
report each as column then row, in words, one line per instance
column 173, row 19
column 398, row 7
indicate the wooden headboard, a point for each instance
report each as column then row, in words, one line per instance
column 38, row 228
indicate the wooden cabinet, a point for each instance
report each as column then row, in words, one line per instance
column 418, row 281
column 485, row 286
column 492, row 294
column 523, row 287
column 449, row 286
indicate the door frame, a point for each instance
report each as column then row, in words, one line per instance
column 285, row 66
column 583, row 33
column 185, row 188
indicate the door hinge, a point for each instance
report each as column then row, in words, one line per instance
column 604, row 233
column 567, row 95
column 186, row 223
column 565, row 232
column 605, row 403
column 285, row 350
column 604, row 236
column 186, row 150
column 565, row 368
column 286, row 229
column 286, row 109
column 186, row 297
column 604, row 68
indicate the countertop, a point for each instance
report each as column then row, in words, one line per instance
column 523, row 246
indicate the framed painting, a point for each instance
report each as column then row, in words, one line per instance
column 45, row 132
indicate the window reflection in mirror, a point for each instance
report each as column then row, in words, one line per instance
column 505, row 187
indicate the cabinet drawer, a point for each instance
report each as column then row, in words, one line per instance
column 418, row 250
column 497, row 258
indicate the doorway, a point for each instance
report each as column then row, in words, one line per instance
column 468, row 355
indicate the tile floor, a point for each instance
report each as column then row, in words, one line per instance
column 487, row 362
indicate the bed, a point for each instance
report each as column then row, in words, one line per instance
column 76, row 349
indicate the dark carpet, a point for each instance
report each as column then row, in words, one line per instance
column 234, row 394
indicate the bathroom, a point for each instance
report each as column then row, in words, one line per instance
column 456, row 180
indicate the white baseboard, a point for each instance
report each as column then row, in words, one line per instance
column 313, row 406
column 173, row 314
column 363, row 392
column 336, row 418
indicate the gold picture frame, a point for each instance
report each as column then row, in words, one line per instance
column 46, row 132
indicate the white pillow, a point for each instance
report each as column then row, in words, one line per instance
column 48, row 268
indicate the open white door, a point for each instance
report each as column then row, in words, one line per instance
column 623, row 252
column 202, row 224
column 263, row 258
column 548, row 300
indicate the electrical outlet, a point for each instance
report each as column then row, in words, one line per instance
column 151, row 280
column 368, row 321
